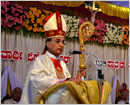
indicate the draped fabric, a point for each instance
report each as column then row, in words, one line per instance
column 113, row 10
column 14, row 82
column 115, row 81
column 65, row 3
column 85, row 93
column 26, row 44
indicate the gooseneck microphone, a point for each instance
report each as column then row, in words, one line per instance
column 75, row 52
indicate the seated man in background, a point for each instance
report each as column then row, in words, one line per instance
column 15, row 98
column 124, row 94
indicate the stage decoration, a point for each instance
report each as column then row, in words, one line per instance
column 29, row 22
column 85, row 31
column 72, row 23
column 65, row 3
column 113, row 10
column 12, row 16
column 35, row 19
column 125, row 39
column 114, row 34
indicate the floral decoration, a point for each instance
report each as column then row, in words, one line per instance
column 72, row 26
column 114, row 34
column 35, row 19
column 12, row 15
column 125, row 39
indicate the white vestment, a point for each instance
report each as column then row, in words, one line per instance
column 10, row 101
column 122, row 102
column 40, row 77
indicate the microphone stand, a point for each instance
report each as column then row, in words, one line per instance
column 100, row 75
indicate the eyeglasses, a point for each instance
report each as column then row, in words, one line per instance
column 59, row 41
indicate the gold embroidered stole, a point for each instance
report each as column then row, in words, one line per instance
column 58, row 68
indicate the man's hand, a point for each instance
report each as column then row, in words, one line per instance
column 81, row 73
column 77, row 80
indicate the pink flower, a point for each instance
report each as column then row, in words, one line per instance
column 16, row 14
column 17, row 27
column 9, row 24
column 11, row 18
column 2, row 3
column 23, row 23
column 4, row 24
column 26, row 8
column 2, row 11
column 15, row 19
column 100, row 40
column 1, row 23
column 6, row 3
column 6, row 20
column 25, row 13
column 14, row 23
column 102, row 37
column 19, row 20
column 6, row 15
column 21, row 11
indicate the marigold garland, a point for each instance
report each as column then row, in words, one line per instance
column 35, row 19
column 125, row 39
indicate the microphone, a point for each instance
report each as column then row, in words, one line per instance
column 75, row 52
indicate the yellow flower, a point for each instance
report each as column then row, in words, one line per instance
column 28, row 16
column 43, row 16
column 32, row 21
column 35, row 25
column 41, row 23
column 30, row 28
column 35, row 29
column 39, row 11
column 31, row 8
column 42, row 30
column 26, row 21
column 30, row 13
column 124, row 37
column 32, row 16
column 37, row 14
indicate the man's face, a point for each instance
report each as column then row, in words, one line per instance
column 16, row 95
column 124, row 95
column 56, row 45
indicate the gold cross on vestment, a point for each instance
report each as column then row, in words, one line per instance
column 58, row 68
column 51, row 33
column 59, row 21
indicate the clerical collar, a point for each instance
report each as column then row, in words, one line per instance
column 51, row 55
